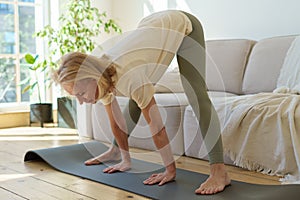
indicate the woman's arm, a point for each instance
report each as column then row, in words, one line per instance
column 118, row 126
column 160, row 138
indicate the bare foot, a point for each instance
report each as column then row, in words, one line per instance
column 216, row 182
column 112, row 154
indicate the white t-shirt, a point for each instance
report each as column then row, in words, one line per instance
column 143, row 55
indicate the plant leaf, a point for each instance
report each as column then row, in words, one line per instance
column 33, row 85
column 29, row 58
column 26, row 88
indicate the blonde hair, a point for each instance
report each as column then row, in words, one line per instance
column 77, row 66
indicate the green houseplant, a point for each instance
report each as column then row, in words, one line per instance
column 79, row 25
column 39, row 112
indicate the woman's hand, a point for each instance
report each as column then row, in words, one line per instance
column 120, row 167
column 160, row 178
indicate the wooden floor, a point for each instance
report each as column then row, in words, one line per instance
column 36, row 180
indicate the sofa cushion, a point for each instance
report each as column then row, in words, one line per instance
column 225, row 64
column 265, row 62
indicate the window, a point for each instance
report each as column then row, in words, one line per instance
column 19, row 20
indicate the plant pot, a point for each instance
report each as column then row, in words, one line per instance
column 41, row 113
column 66, row 112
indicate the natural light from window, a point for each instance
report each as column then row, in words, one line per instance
column 17, row 25
column 7, row 177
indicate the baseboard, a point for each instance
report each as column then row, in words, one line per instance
column 18, row 118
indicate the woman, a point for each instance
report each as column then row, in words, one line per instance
column 130, row 68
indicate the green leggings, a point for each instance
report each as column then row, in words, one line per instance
column 192, row 71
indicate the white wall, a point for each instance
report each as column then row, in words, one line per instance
column 127, row 12
column 252, row 19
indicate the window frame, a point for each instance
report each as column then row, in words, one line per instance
column 17, row 56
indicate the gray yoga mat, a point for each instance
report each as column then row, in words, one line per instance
column 70, row 159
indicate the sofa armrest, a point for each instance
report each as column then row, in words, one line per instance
column 84, row 120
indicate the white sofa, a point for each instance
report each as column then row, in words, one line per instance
column 235, row 67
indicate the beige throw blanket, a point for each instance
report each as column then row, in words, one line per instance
column 262, row 132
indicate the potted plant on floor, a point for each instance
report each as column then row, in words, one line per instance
column 79, row 25
column 39, row 112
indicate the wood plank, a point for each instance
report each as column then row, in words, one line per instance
column 27, row 186
column 5, row 194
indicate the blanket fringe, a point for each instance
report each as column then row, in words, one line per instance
column 254, row 166
column 250, row 165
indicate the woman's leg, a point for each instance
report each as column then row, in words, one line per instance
column 191, row 61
